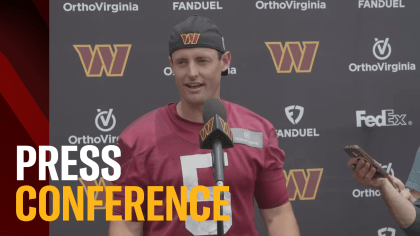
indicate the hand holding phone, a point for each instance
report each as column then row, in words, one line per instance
column 357, row 152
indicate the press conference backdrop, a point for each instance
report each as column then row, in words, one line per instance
column 325, row 73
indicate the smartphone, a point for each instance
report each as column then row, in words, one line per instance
column 357, row 152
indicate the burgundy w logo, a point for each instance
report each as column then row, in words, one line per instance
column 103, row 58
column 292, row 55
column 190, row 38
column 98, row 195
column 302, row 185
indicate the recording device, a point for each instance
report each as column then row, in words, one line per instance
column 357, row 152
column 216, row 135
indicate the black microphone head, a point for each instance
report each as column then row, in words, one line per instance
column 212, row 107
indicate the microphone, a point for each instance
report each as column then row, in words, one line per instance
column 216, row 134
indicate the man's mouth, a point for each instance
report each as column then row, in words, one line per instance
column 194, row 85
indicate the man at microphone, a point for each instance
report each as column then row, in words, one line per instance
column 162, row 148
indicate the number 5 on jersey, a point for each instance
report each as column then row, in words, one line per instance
column 189, row 166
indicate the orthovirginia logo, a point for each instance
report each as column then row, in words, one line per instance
column 105, row 116
column 103, row 6
column 103, row 58
column 382, row 51
column 104, row 121
column 304, row 185
column 293, row 56
column 383, row 48
column 291, row 5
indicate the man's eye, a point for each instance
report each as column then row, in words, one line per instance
column 181, row 62
column 203, row 61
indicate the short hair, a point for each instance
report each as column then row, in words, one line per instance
column 220, row 54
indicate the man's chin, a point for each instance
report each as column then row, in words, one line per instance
column 198, row 100
column 195, row 101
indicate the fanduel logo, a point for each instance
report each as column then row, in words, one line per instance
column 103, row 58
column 383, row 232
column 381, row 4
column 103, row 6
column 381, row 51
column 168, row 71
column 387, row 118
column 290, row 114
column 304, row 185
column 209, row 5
column 105, row 121
column 291, row 5
column 293, row 56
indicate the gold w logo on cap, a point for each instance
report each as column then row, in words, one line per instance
column 191, row 38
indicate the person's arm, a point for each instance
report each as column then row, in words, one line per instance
column 271, row 192
column 280, row 221
column 125, row 228
column 415, row 194
column 402, row 210
column 400, row 207
column 133, row 173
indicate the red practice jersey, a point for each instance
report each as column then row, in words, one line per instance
column 162, row 149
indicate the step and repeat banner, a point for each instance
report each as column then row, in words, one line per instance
column 325, row 73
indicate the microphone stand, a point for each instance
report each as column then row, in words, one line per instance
column 219, row 165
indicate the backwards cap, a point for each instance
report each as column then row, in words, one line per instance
column 196, row 31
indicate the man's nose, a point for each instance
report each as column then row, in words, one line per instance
column 192, row 71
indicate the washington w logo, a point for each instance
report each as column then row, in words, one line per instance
column 99, row 195
column 103, row 58
column 190, row 38
column 293, row 56
column 302, row 185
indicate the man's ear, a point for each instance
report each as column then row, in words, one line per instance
column 170, row 61
column 226, row 58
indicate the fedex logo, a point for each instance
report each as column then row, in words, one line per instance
column 387, row 118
